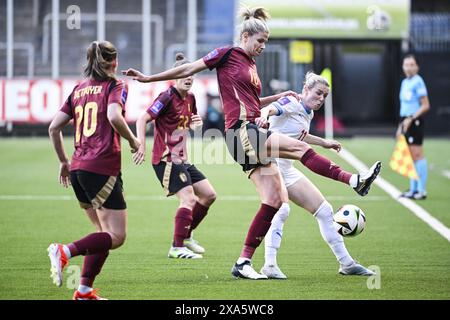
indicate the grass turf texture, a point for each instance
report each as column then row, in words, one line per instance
column 414, row 260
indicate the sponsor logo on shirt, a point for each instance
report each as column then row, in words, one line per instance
column 157, row 106
column 212, row 54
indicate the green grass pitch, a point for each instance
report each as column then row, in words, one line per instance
column 413, row 259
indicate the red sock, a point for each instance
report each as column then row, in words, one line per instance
column 183, row 220
column 323, row 166
column 198, row 213
column 92, row 266
column 91, row 244
column 258, row 229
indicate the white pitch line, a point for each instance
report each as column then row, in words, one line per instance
column 446, row 174
column 16, row 197
column 392, row 191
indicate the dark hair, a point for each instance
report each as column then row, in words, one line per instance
column 99, row 60
column 411, row 56
column 180, row 59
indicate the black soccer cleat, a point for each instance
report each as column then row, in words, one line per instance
column 365, row 180
column 245, row 271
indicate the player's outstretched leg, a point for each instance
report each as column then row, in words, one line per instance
column 273, row 242
column 366, row 179
column 348, row 266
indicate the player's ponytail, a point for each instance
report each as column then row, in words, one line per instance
column 254, row 20
column 179, row 60
column 99, row 61
column 312, row 79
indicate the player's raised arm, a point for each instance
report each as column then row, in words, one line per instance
column 266, row 112
column 325, row 143
column 269, row 99
column 182, row 71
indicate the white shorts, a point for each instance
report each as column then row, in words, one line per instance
column 289, row 174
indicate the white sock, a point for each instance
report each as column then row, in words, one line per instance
column 84, row 289
column 67, row 251
column 274, row 234
column 353, row 180
column 324, row 216
column 241, row 260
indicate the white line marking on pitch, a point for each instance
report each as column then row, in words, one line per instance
column 446, row 173
column 392, row 191
column 17, row 197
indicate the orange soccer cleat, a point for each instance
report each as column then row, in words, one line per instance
column 91, row 295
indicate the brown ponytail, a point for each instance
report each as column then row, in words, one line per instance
column 99, row 60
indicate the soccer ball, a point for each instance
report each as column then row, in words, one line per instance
column 349, row 220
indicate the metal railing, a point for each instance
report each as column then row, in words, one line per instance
column 29, row 48
column 430, row 32
column 156, row 19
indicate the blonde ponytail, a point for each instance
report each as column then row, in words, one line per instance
column 254, row 20
column 312, row 79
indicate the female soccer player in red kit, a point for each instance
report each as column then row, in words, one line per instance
column 174, row 111
column 249, row 144
column 97, row 107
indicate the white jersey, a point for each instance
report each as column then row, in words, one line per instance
column 293, row 119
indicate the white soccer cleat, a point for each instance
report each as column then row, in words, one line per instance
column 273, row 272
column 193, row 245
column 183, row 253
column 355, row 269
column 58, row 260
column 420, row 196
column 245, row 271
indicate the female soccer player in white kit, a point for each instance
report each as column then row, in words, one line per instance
column 292, row 117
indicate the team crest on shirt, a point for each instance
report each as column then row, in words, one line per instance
column 157, row 106
column 183, row 177
column 212, row 54
column 283, row 101
column 124, row 96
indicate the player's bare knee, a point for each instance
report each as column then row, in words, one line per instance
column 118, row 239
column 301, row 148
column 188, row 202
column 210, row 197
column 274, row 201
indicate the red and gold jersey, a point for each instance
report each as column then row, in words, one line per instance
column 172, row 115
column 97, row 145
column 239, row 83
